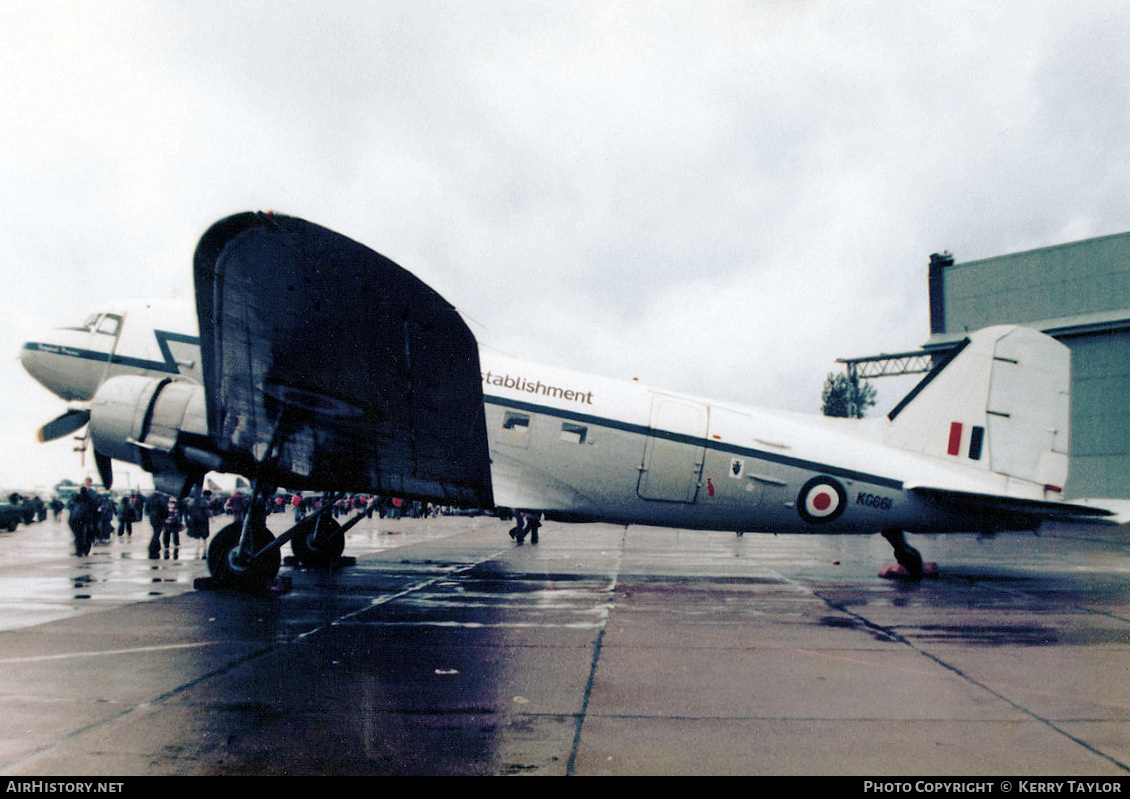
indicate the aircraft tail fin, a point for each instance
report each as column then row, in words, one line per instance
column 1000, row 403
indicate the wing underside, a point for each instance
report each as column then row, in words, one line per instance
column 329, row 367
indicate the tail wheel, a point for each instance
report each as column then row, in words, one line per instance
column 911, row 560
column 230, row 568
column 320, row 550
column 907, row 556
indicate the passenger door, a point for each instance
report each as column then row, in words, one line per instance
column 674, row 450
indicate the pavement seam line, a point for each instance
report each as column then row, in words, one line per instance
column 570, row 766
column 970, row 679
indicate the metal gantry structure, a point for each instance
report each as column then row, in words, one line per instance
column 889, row 365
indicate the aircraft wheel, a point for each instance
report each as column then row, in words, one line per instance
column 325, row 550
column 911, row 560
column 229, row 570
column 907, row 556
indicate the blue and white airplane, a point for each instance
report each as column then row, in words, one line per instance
column 314, row 363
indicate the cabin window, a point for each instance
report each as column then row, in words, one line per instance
column 573, row 433
column 516, row 421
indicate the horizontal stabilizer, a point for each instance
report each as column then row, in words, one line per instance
column 1118, row 508
column 1018, row 513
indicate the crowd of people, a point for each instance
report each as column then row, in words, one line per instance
column 92, row 515
column 96, row 516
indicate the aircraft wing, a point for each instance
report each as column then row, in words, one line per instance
column 1017, row 513
column 328, row 367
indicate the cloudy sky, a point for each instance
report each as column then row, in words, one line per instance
column 715, row 197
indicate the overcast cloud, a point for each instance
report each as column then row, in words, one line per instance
column 718, row 198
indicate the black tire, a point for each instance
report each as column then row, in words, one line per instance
column 911, row 560
column 227, row 571
column 328, row 548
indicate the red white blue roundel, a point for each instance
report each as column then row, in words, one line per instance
column 822, row 499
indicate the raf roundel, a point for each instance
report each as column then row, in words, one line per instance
column 821, row 500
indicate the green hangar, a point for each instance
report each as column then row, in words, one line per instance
column 1080, row 294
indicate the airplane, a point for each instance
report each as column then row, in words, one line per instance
column 312, row 362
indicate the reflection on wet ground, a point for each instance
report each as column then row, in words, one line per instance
column 603, row 650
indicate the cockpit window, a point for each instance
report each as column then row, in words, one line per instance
column 110, row 324
column 103, row 323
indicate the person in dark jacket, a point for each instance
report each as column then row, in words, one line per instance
column 125, row 516
column 199, row 516
column 170, row 533
column 107, row 510
column 83, row 507
column 157, row 509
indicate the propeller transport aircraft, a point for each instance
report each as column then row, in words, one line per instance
column 314, row 363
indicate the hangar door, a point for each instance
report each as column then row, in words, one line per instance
column 674, row 450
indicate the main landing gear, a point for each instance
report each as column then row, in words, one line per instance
column 318, row 541
column 909, row 559
column 246, row 555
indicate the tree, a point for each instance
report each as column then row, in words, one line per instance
column 846, row 396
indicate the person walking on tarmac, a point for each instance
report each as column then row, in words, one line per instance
column 125, row 516
column 199, row 515
column 171, row 531
column 157, row 509
column 107, row 509
column 237, row 507
column 83, row 507
column 527, row 524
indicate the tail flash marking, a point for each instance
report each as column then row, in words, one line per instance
column 955, row 439
column 976, row 442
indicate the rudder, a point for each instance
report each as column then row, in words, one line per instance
column 999, row 404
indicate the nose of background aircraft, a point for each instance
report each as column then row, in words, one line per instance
column 31, row 360
column 46, row 363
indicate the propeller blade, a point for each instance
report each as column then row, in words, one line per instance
column 63, row 425
column 105, row 469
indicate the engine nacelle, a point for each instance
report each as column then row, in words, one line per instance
column 160, row 424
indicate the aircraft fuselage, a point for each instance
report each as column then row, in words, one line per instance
column 620, row 451
column 581, row 447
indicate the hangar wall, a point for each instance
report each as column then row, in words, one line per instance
column 1080, row 294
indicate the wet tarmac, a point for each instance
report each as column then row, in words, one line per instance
column 601, row 651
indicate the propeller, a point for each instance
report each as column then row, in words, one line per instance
column 68, row 422
column 63, row 425
column 105, row 469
